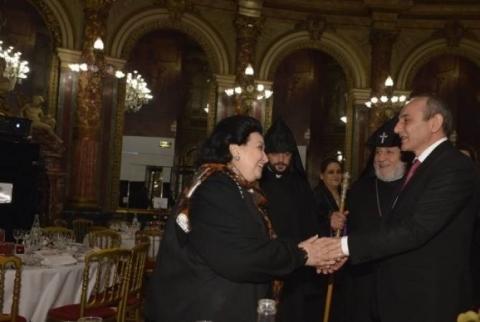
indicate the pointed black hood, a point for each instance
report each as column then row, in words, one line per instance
column 278, row 139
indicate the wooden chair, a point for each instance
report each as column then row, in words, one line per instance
column 6, row 263
column 53, row 232
column 153, row 237
column 103, row 239
column 109, row 268
column 132, row 300
column 81, row 227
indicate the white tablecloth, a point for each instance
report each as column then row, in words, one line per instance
column 44, row 288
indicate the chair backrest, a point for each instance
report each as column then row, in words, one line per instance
column 109, row 269
column 54, row 232
column 81, row 228
column 153, row 237
column 7, row 263
column 134, row 287
column 104, row 239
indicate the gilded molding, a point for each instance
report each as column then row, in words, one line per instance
column 138, row 25
column 314, row 25
column 68, row 56
column 168, row 24
column 176, row 9
column 467, row 48
column 53, row 87
column 309, row 44
column 250, row 8
column 50, row 20
column 348, row 56
column 248, row 30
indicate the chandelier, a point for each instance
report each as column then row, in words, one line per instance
column 137, row 93
column 13, row 68
column 389, row 103
column 248, row 91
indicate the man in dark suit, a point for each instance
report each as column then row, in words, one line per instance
column 424, row 244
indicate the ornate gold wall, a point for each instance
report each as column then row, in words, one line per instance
column 368, row 40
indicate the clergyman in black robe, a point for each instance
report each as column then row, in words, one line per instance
column 291, row 209
column 370, row 198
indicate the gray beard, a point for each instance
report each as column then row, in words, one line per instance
column 396, row 174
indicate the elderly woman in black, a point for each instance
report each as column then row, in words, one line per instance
column 219, row 254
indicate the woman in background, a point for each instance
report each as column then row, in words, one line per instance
column 327, row 196
column 327, row 199
column 219, row 254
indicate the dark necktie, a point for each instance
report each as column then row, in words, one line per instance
column 411, row 171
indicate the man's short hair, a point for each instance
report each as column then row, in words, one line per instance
column 435, row 106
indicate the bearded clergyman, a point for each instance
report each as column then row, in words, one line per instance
column 370, row 198
column 291, row 209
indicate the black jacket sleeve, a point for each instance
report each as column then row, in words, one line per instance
column 231, row 238
column 442, row 199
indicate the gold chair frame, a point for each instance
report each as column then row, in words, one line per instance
column 81, row 227
column 104, row 239
column 153, row 237
column 110, row 270
column 8, row 262
column 133, row 297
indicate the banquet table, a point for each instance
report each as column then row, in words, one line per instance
column 45, row 287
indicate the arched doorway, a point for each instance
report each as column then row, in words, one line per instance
column 310, row 95
column 456, row 80
column 159, row 139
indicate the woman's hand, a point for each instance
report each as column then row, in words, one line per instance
column 338, row 219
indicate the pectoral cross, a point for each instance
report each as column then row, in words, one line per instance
column 383, row 137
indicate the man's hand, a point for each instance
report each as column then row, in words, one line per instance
column 333, row 268
column 317, row 251
column 334, row 248
column 338, row 219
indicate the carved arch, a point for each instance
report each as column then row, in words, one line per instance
column 423, row 54
column 330, row 43
column 57, row 21
column 142, row 23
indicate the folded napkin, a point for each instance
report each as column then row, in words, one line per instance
column 58, row 260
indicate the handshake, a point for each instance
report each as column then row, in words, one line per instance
column 325, row 254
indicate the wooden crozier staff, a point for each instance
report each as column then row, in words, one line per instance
column 328, row 298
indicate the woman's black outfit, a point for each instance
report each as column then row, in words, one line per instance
column 325, row 205
column 224, row 265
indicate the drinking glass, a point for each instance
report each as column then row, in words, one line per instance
column 90, row 319
column 17, row 235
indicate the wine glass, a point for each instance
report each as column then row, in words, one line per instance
column 17, row 235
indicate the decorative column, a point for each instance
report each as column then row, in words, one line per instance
column 224, row 103
column 382, row 41
column 357, row 131
column 383, row 35
column 248, row 24
column 84, row 172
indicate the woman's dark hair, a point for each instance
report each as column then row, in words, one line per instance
column 326, row 162
column 230, row 130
